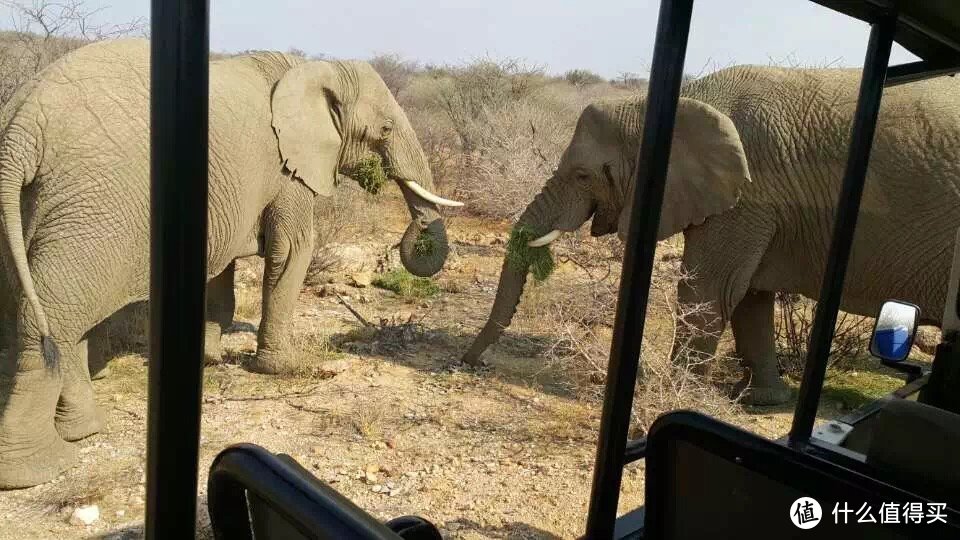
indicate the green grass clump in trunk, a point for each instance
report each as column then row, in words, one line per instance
column 521, row 257
column 425, row 245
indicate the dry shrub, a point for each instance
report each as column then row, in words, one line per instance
column 390, row 336
column 394, row 70
column 343, row 215
column 494, row 129
column 794, row 321
column 45, row 30
column 581, row 322
column 308, row 355
column 627, row 79
column 582, row 77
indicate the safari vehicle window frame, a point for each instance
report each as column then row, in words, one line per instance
column 179, row 120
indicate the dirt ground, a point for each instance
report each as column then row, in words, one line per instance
column 390, row 420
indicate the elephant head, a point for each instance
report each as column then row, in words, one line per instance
column 594, row 179
column 333, row 117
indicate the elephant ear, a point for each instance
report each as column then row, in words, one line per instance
column 306, row 120
column 708, row 168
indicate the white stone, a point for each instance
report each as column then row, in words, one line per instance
column 85, row 515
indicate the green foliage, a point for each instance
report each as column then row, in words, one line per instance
column 369, row 173
column 521, row 257
column 406, row 284
column 425, row 245
column 861, row 382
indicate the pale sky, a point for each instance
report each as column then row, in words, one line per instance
column 605, row 36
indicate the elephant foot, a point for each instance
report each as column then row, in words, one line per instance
column 39, row 465
column 212, row 350
column 77, row 425
column 775, row 393
column 270, row 363
column 78, row 415
column 474, row 356
column 472, row 360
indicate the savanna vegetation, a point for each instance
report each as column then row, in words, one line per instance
column 381, row 408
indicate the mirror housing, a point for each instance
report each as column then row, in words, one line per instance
column 894, row 331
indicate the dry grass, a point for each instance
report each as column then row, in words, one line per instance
column 249, row 300
column 569, row 321
column 309, row 355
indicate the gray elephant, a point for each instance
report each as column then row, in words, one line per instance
column 756, row 165
column 74, row 200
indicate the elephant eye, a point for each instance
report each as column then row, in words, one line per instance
column 386, row 130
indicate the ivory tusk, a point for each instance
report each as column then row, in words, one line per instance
column 545, row 239
column 430, row 197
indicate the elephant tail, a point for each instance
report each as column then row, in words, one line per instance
column 10, row 212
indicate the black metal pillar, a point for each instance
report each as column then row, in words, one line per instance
column 848, row 206
column 178, row 261
column 666, row 75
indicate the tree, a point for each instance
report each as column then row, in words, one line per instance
column 394, row 70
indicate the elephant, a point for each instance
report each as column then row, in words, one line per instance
column 754, row 173
column 74, row 204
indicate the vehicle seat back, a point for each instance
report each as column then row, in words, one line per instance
column 919, row 447
column 253, row 493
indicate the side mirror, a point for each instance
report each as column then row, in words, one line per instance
column 894, row 331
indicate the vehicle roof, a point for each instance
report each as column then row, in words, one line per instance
column 929, row 29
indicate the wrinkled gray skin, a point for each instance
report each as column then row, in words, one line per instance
column 74, row 200
column 755, row 171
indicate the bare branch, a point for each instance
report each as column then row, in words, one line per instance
column 45, row 30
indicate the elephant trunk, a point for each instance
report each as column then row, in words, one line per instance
column 505, row 305
column 539, row 217
column 424, row 246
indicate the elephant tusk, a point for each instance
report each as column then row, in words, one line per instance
column 430, row 197
column 545, row 239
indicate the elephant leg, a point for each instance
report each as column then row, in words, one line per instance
column 698, row 329
column 753, row 331
column 723, row 256
column 288, row 239
column 78, row 415
column 31, row 451
column 221, row 304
